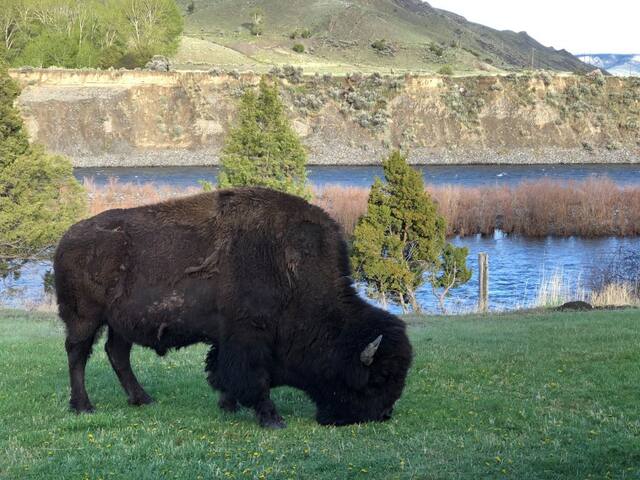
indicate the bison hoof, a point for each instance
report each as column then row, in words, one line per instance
column 273, row 420
column 81, row 407
column 140, row 400
column 228, row 404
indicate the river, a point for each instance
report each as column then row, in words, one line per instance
column 363, row 176
column 518, row 266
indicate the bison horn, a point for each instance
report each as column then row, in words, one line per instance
column 369, row 351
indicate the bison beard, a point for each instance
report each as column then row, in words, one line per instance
column 261, row 276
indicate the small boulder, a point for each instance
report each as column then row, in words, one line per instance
column 158, row 63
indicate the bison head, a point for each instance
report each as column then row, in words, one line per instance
column 370, row 366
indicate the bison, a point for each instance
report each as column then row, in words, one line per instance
column 261, row 276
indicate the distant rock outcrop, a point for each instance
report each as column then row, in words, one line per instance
column 158, row 63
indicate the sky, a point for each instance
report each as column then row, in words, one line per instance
column 577, row 26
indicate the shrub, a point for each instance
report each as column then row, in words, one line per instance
column 436, row 49
column 298, row 48
column 379, row 45
column 446, row 70
column 302, row 33
column 257, row 20
column 383, row 47
column 401, row 239
column 256, row 29
column 263, row 149
column 39, row 196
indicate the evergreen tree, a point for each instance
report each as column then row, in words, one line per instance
column 39, row 196
column 263, row 149
column 401, row 240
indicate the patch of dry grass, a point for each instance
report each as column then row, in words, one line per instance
column 616, row 295
column 128, row 195
column 593, row 208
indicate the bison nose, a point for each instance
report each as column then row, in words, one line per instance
column 386, row 415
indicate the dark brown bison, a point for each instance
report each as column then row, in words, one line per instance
column 262, row 276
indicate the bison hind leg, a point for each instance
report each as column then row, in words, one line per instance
column 118, row 350
column 82, row 332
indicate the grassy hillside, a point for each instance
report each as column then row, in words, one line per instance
column 340, row 35
column 532, row 395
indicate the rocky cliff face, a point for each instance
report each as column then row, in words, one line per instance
column 135, row 118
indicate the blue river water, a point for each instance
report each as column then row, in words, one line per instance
column 363, row 176
column 518, row 266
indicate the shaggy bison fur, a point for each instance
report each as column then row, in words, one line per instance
column 261, row 276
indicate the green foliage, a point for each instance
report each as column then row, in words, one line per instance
column 466, row 102
column 437, row 50
column 39, row 196
column 206, row 185
column 13, row 138
column 257, row 22
column 401, row 239
column 302, row 33
column 90, row 33
column 453, row 273
column 446, row 70
column 256, row 29
column 379, row 45
column 263, row 149
column 298, row 48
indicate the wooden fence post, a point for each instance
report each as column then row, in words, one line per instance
column 483, row 268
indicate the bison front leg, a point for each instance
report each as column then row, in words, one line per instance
column 226, row 401
column 242, row 374
column 119, row 350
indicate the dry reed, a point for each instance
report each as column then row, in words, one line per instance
column 592, row 208
column 127, row 195
column 615, row 294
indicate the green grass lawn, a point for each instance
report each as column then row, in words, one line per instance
column 522, row 396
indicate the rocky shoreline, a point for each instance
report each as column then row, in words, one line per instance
column 359, row 157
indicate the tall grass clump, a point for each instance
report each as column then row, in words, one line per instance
column 615, row 294
column 556, row 289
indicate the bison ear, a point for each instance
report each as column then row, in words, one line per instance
column 369, row 351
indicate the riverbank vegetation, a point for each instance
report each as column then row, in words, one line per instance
column 592, row 208
column 88, row 33
column 527, row 395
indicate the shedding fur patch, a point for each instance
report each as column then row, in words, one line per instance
column 172, row 302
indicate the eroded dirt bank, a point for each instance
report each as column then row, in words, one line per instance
column 138, row 118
